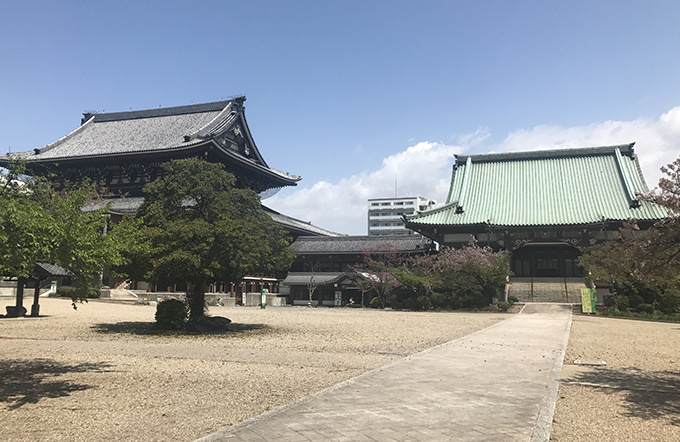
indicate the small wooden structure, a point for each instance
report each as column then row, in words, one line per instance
column 41, row 272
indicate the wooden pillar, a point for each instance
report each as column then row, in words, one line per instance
column 19, row 307
column 35, row 308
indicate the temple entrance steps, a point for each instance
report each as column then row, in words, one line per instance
column 117, row 294
column 546, row 289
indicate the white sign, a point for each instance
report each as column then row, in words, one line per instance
column 338, row 298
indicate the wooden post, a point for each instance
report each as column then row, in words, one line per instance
column 19, row 307
column 35, row 308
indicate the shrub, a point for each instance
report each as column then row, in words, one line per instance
column 440, row 300
column 669, row 301
column 645, row 308
column 618, row 302
column 171, row 314
column 375, row 302
column 423, row 303
column 72, row 292
column 635, row 300
column 512, row 299
column 410, row 304
column 503, row 306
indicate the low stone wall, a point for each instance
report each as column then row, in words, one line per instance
column 8, row 288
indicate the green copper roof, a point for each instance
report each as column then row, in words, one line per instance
column 544, row 188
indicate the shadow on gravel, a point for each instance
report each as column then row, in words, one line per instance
column 150, row 329
column 649, row 394
column 29, row 381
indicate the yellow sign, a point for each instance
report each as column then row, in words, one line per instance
column 588, row 300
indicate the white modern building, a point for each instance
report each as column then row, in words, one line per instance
column 385, row 214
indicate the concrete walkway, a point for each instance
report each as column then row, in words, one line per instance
column 498, row 384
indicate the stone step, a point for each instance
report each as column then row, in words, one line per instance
column 546, row 290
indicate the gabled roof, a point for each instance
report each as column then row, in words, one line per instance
column 158, row 131
column 305, row 278
column 46, row 269
column 544, row 188
column 296, row 226
column 359, row 244
column 132, row 204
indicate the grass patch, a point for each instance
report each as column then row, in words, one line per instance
column 656, row 317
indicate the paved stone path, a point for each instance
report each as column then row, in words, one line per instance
column 498, row 384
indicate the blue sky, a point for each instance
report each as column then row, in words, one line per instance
column 353, row 95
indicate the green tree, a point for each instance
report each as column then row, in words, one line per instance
column 200, row 228
column 38, row 224
column 25, row 230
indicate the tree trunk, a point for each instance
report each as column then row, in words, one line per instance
column 196, row 298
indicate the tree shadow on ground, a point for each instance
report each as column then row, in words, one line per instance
column 29, row 381
column 648, row 394
column 150, row 329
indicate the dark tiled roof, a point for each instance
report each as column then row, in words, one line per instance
column 109, row 136
column 296, row 225
column 132, row 204
column 215, row 106
column 118, row 205
column 322, row 278
column 45, row 269
column 304, row 278
column 358, row 244
column 116, row 134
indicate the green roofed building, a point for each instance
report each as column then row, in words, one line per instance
column 542, row 205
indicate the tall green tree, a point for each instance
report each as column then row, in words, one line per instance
column 25, row 230
column 200, row 228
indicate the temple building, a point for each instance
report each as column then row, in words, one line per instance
column 542, row 206
column 327, row 265
column 123, row 151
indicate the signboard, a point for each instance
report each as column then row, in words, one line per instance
column 338, row 298
column 263, row 299
column 588, row 300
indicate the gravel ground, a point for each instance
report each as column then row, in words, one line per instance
column 635, row 397
column 97, row 374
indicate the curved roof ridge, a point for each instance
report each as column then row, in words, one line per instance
column 61, row 140
column 625, row 149
column 215, row 122
column 164, row 111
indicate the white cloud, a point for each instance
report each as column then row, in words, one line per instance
column 657, row 142
column 421, row 170
column 425, row 168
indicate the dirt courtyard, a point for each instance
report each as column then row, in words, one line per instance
column 634, row 397
column 97, row 374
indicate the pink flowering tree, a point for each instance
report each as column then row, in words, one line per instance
column 376, row 271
